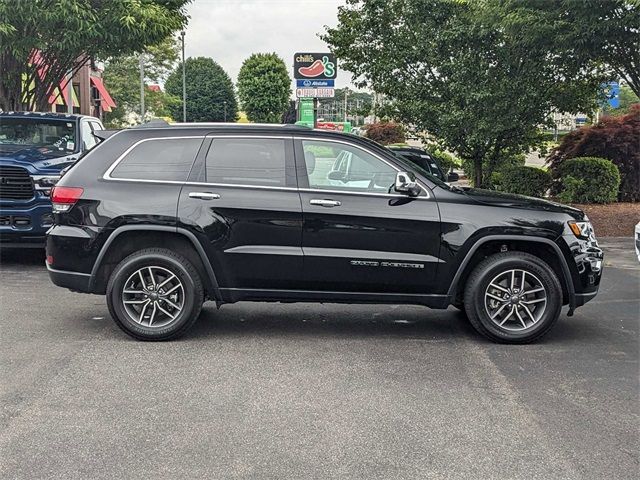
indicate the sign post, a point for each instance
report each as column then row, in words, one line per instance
column 315, row 75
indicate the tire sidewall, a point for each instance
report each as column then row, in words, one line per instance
column 543, row 273
column 120, row 276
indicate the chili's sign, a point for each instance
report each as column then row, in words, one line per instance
column 317, row 66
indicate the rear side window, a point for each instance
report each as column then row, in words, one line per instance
column 159, row 159
column 247, row 161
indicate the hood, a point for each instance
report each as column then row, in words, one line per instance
column 501, row 199
column 36, row 158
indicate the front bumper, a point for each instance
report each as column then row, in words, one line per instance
column 586, row 271
column 25, row 225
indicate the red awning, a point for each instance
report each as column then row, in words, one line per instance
column 106, row 98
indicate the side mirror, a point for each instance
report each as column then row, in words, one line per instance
column 453, row 177
column 406, row 183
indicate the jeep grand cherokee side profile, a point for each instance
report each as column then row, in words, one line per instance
column 161, row 219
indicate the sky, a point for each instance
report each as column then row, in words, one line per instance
column 230, row 30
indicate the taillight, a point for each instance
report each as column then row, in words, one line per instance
column 63, row 198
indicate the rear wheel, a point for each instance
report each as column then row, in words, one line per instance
column 513, row 297
column 155, row 294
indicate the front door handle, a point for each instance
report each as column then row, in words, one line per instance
column 204, row 195
column 325, row 203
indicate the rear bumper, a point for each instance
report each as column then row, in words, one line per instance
column 78, row 282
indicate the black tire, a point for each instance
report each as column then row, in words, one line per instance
column 537, row 271
column 191, row 294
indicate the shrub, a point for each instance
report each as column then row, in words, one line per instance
column 385, row 133
column 446, row 160
column 589, row 180
column 613, row 138
column 522, row 180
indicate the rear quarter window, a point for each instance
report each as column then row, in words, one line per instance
column 167, row 159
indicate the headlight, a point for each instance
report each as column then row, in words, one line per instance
column 45, row 182
column 582, row 230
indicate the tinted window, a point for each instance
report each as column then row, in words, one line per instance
column 337, row 166
column 247, row 161
column 162, row 159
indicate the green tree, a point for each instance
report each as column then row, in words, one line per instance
column 449, row 72
column 589, row 34
column 264, row 87
column 210, row 94
column 122, row 78
column 359, row 105
column 41, row 41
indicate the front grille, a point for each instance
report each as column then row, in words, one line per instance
column 17, row 221
column 15, row 184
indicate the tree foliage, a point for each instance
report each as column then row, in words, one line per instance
column 613, row 138
column 210, row 93
column 41, row 41
column 122, row 78
column 450, row 70
column 264, row 87
column 579, row 33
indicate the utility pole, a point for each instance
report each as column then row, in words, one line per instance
column 184, row 82
column 346, row 95
column 141, row 64
column 225, row 110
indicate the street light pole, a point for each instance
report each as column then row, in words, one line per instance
column 141, row 63
column 225, row 110
column 184, row 82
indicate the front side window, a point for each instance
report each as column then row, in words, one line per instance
column 247, row 161
column 167, row 159
column 338, row 166
column 50, row 137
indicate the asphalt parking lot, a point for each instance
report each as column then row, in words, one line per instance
column 315, row 391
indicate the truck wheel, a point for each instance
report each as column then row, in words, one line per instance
column 155, row 294
column 513, row 297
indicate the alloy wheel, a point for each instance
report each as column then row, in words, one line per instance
column 515, row 300
column 153, row 296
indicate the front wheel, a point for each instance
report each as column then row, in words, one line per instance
column 155, row 294
column 513, row 297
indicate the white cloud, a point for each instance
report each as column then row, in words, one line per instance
column 230, row 30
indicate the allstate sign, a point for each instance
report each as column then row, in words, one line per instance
column 314, row 83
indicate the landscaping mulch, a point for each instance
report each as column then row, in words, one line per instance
column 613, row 219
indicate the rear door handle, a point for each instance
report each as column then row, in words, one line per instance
column 204, row 195
column 325, row 203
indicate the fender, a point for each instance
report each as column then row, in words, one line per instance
column 159, row 228
column 567, row 280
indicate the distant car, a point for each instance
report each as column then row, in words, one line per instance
column 424, row 160
column 637, row 235
column 34, row 149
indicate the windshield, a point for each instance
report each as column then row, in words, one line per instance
column 50, row 136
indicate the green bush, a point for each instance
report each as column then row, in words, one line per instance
column 588, row 180
column 446, row 160
column 530, row 181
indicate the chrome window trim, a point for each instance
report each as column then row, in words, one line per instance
column 107, row 174
column 213, row 136
column 353, row 145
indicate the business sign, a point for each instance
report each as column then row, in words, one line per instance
column 328, row 92
column 305, row 107
column 314, row 66
column 612, row 92
column 314, row 83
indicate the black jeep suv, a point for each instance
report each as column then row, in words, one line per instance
column 161, row 219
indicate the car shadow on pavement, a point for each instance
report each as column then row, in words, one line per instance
column 334, row 320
